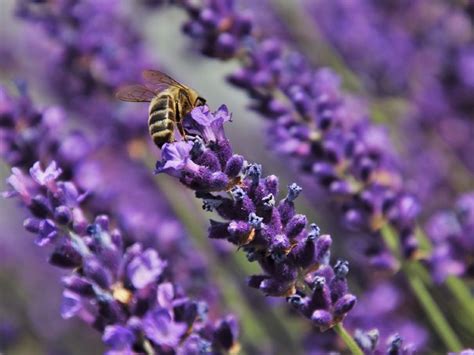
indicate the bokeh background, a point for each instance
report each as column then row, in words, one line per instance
column 30, row 290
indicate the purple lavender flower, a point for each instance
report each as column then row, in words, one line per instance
column 120, row 291
column 451, row 234
column 323, row 131
column 39, row 134
column 218, row 26
column 295, row 260
column 429, row 67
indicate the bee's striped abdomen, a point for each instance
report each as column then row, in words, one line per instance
column 161, row 119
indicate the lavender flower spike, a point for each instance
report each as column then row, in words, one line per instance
column 320, row 127
column 121, row 291
column 293, row 255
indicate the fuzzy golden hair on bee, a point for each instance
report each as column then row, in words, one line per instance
column 169, row 102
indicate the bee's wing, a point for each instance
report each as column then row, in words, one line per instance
column 135, row 93
column 157, row 81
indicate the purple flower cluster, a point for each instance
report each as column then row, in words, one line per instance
column 430, row 65
column 30, row 134
column 121, row 291
column 218, row 27
column 451, row 233
column 93, row 47
column 25, row 132
column 128, row 267
column 291, row 252
column 325, row 132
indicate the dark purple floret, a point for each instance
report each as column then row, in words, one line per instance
column 269, row 231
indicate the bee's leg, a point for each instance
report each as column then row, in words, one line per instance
column 179, row 122
column 181, row 131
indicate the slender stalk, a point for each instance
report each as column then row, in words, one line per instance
column 463, row 295
column 455, row 285
column 437, row 318
column 348, row 339
column 412, row 271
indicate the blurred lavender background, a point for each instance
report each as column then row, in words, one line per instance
column 406, row 76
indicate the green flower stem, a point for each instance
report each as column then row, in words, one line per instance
column 456, row 286
column 435, row 315
column 462, row 293
column 412, row 271
column 348, row 339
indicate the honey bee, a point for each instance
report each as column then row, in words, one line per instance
column 170, row 101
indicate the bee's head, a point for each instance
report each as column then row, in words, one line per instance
column 200, row 101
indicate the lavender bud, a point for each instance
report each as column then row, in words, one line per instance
column 65, row 256
column 269, row 201
column 254, row 171
column 251, row 254
column 237, row 193
column 47, row 232
column 226, row 45
column 238, row 228
column 218, row 181
column 211, row 204
column 296, row 225
column 293, row 191
column 93, row 229
column 344, row 305
column 395, row 345
column 117, row 337
column 295, row 300
column 62, row 215
column 255, row 281
column 234, row 166
column 103, row 222
column 278, row 256
column 78, row 285
column 367, row 340
column 40, row 206
column 255, row 221
column 323, row 245
column 341, row 268
column 94, row 270
column 32, row 225
column 318, row 283
column 322, row 318
column 208, row 18
column 314, row 232
column 198, row 147
column 271, row 183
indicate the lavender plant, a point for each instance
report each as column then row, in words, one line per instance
column 90, row 69
column 313, row 121
column 434, row 94
column 135, row 277
column 294, row 259
column 31, row 134
column 121, row 291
